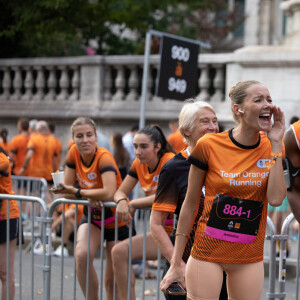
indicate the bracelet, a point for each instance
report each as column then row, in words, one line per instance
column 181, row 234
column 121, row 199
column 275, row 156
column 273, row 160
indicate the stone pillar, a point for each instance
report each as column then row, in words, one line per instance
column 292, row 9
column 251, row 22
column 90, row 84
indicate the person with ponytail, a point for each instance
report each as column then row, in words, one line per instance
column 242, row 172
column 152, row 151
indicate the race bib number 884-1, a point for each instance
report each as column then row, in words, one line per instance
column 234, row 220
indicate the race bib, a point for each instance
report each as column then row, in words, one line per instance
column 234, row 220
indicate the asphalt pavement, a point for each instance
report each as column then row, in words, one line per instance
column 62, row 281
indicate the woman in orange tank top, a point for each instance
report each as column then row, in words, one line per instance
column 98, row 178
column 152, row 152
column 6, row 188
column 242, row 172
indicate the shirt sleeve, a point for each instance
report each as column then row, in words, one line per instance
column 166, row 196
column 132, row 171
column 200, row 154
column 107, row 163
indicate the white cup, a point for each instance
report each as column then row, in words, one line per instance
column 58, row 177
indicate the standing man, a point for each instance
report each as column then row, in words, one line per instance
column 128, row 141
column 19, row 146
column 57, row 145
column 40, row 155
column 292, row 150
column 37, row 152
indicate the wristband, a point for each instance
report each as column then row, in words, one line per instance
column 275, row 156
column 273, row 160
column 121, row 199
column 181, row 234
column 77, row 194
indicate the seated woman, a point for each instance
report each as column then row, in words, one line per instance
column 152, row 152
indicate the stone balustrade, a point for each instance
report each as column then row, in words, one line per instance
column 108, row 88
column 101, row 87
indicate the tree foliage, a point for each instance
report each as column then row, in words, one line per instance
column 40, row 28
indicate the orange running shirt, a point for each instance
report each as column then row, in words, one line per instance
column 149, row 181
column 6, row 146
column 19, row 149
column 237, row 171
column 52, row 153
column 58, row 148
column 6, row 188
column 39, row 160
column 89, row 177
column 69, row 206
column 296, row 130
column 175, row 139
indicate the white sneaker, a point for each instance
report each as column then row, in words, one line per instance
column 38, row 247
column 57, row 252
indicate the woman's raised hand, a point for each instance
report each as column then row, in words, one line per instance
column 276, row 133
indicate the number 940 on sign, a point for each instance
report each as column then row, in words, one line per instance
column 178, row 85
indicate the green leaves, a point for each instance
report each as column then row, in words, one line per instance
column 64, row 27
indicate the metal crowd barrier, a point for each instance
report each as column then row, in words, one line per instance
column 142, row 228
column 283, row 258
column 33, row 201
column 272, row 259
column 33, row 187
column 48, row 247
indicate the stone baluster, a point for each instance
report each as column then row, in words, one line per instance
column 28, row 84
column 120, row 84
column 218, row 96
column 133, row 83
column 63, row 83
column 6, row 83
column 107, row 83
column 40, row 84
column 75, row 83
column 204, row 83
column 17, row 84
column 51, row 84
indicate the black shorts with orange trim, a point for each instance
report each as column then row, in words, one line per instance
column 13, row 230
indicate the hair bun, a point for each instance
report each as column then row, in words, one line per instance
column 232, row 90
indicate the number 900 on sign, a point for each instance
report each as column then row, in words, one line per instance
column 180, row 53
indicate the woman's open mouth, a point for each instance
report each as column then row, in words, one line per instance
column 265, row 119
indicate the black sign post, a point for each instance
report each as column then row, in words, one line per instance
column 178, row 71
column 182, row 66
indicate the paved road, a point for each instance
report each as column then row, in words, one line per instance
column 66, row 289
column 62, row 279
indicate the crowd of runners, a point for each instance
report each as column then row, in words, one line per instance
column 218, row 185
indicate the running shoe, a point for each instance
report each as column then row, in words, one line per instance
column 59, row 253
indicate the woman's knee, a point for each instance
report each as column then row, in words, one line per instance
column 3, row 276
column 119, row 253
column 81, row 255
